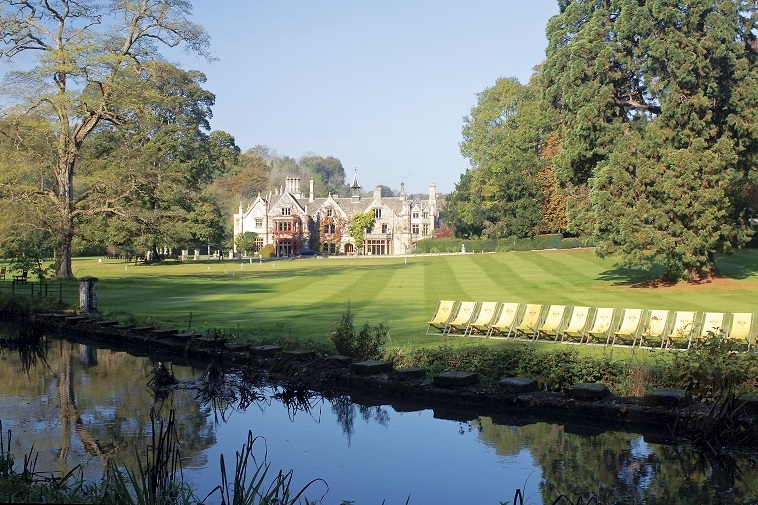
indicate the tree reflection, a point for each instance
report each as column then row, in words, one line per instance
column 347, row 412
column 619, row 467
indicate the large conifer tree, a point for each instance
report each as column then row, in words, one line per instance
column 657, row 102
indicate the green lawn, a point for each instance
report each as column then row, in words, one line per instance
column 304, row 298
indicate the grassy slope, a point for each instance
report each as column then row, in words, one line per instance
column 303, row 298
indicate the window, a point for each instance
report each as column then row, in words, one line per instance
column 259, row 222
column 329, row 212
column 385, row 228
column 426, row 229
column 377, row 213
column 284, row 226
column 414, row 229
column 286, row 211
column 415, row 214
column 328, row 248
column 258, row 243
column 426, row 215
column 376, row 247
column 330, row 229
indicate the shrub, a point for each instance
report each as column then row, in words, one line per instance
column 713, row 369
column 368, row 343
column 267, row 251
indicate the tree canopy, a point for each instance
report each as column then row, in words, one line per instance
column 500, row 196
column 87, row 58
column 656, row 103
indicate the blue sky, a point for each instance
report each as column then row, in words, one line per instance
column 382, row 86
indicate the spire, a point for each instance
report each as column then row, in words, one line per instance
column 356, row 187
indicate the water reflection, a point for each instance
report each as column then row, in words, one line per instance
column 82, row 405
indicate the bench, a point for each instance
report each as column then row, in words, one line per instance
column 21, row 279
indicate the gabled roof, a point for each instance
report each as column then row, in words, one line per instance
column 287, row 200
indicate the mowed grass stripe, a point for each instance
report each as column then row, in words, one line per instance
column 304, row 298
column 440, row 282
column 475, row 283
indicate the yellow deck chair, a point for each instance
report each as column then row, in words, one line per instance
column 552, row 323
column 505, row 320
column 629, row 326
column 682, row 329
column 741, row 328
column 441, row 316
column 712, row 323
column 463, row 316
column 530, row 320
column 655, row 328
column 576, row 324
column 601, row 324
column 485, row 315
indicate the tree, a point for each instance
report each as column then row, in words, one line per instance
column 359, row 223
column 88, row 56
column 328, row 173
column 658, row 106
column 151, row 173
column 499, row 196
column 245, row 242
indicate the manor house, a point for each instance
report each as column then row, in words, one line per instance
column 290, row 221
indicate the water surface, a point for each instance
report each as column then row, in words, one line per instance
column 84, row 406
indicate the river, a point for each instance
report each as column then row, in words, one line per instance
column 80, row 405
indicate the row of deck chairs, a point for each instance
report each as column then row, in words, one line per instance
column 661, row 328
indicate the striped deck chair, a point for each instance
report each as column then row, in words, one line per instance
column 741, row 328
column 629, row 327
column 681, row 330
column 441, row 316
column 530, row 320
column 601, row 325
column 463, row 316
column 576, row 325
column 503, row 325
column 655, row 328
column 485, row 315
column 552, row 323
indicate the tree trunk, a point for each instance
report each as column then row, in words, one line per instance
column 65, row 202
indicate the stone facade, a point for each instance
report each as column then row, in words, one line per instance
column 290, row 220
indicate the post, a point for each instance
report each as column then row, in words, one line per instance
column 88, row 294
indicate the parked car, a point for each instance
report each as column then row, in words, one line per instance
column 305, row 252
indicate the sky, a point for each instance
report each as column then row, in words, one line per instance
column 382, row 86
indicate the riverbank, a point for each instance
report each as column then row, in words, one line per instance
column 662, row 415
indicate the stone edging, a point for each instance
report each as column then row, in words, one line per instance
column 662, row 415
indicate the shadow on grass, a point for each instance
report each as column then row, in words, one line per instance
column 621, row 276
column 740, row 265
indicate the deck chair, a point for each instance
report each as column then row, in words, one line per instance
column 552, row 323
column 463, row 316
column 655, row 328
column 485, row 315
column 682, row 329
column 601, row 325
column 577, row 322
column 629, row 326
column 741, row 328
column 503, row 325
column 441, row 316
column 712, row 323
column 530, row 320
